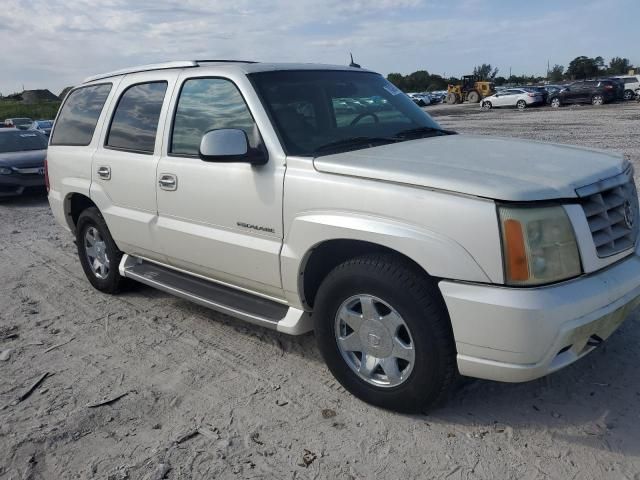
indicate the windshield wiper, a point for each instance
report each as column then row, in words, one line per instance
column 355, row 142
column 420, row 132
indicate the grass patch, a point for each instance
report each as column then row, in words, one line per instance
column 37, row 111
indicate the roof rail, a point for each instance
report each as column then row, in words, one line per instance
column 160, row 66
column 144, row 68
column 224, row 61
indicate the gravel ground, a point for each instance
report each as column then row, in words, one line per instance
column 206, row 396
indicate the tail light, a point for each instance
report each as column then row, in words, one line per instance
column 532, row 94
column 46, row 174
column 608, row 87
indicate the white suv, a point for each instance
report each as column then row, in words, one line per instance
column 631, row 85
column 413, row 253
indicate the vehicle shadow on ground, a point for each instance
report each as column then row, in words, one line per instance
column 594, row 402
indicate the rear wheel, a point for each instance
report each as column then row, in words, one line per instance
column 521, row 104
column 555, row 102
column 628, row 94
column 384, row 333
column 473, row 97
column 98, row 253
column 597, row 100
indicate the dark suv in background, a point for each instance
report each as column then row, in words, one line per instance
column 595, row 92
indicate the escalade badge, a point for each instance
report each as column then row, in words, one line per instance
column 628, row 214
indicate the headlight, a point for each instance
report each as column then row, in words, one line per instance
column 538, row 245
column 5, row 171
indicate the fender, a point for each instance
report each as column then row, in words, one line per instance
column 437, row 254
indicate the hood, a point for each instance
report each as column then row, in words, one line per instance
column 30, row 158
column 491, row 167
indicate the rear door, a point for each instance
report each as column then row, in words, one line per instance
column 124, row 165
column 219, row 220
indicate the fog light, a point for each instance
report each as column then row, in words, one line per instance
column 5, row 171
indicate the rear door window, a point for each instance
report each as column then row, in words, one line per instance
column 135, row 121
column 79, row 116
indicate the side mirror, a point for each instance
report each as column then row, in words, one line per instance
column 229, row 145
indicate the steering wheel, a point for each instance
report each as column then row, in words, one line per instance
column 365, row 114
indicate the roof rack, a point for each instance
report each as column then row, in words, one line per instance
column 159, row 66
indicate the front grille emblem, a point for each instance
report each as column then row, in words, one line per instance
column 628, row 215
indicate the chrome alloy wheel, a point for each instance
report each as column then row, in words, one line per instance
column 95, row 249
column 374, row 340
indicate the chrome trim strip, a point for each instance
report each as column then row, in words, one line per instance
column 605, row 184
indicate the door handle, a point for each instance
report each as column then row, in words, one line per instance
column 168, row 182
column 104, row 173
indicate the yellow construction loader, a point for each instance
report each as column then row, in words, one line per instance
column 471, row 89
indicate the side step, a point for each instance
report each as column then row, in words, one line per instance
column 236, row 303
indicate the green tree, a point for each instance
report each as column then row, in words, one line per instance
column 397, row 79
column 619, row 66
column 485, row 71
column 556, row 73
column 585, row 67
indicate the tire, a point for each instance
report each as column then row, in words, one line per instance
column 628, row 95
column 452, row 98
column 397, row 290
column 597, row 100
column 487, row 105
column 521, row 104
column 473, row 97
column 91, row 227
column 555, row 102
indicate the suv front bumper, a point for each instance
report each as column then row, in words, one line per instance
column 519, row 334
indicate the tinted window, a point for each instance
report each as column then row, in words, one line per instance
column 320, row 112
column 135, row 121
column 16, row 141
column 630, row 80
column 79, row 115
column 207, row 104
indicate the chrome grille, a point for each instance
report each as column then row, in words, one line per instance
column 611, row 208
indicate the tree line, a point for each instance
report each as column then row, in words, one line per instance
column 581, row 67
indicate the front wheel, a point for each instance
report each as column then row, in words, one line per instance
column 628, row 94
column 99, row 255
column 384, row 333
column 473, row 97
column 555, row 102
column 597, row 100
column 521, row 104
column 487, row 105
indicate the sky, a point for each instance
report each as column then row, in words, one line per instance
column 57, row 43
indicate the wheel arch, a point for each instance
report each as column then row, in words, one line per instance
column 325, row 256
column 74, row 204
column 317, row 243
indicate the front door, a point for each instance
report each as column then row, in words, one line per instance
column 219, row 220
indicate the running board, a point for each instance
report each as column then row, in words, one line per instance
column 236, row 303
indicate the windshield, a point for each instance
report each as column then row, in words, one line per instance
column 21, row 141
column 322, row 112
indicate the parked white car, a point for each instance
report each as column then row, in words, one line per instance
column 413, row 253
column 631, row 85
column 421, row 99
column 512, row 97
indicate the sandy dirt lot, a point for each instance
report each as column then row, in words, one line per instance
column 206, row 396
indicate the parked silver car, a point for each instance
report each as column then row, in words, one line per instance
column 513, row 97
column 42, row 126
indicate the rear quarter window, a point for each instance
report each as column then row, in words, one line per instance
column 79, row 116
